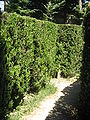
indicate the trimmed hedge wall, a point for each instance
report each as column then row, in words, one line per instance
column 69, row 49
column 27, row 57
column 85, row 73
column 31, row 52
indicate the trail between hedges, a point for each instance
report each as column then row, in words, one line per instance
column 60, row 106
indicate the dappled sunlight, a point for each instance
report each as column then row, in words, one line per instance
column 66, row 108
column 58, row 104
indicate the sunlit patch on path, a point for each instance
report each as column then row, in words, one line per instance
column 60, row 106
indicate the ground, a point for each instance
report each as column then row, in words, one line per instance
column 60, row 106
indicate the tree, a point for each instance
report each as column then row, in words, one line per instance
column 80, row 5
column 59, row 11
column 17, row 5
column 33, row 8
column 64, row 11
column 5, row 4
column 75, row 14
column 52, row 8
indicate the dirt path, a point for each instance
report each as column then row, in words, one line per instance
column 60, row 106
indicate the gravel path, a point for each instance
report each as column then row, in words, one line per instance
column 59, row 106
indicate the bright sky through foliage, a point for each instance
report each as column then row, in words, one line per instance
column 87, row 0
column 2, row 5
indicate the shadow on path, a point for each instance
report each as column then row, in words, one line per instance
column 4, row 96
column 66, row 108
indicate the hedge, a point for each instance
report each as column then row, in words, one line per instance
column 27, row 56
column 31, row 52
column 85, row 72
column 69, row 49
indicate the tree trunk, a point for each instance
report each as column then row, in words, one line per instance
column 5, row 5
column 80, row 5
column 58, row 75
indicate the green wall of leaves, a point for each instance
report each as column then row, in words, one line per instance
column 31, row 52
column 69, row 49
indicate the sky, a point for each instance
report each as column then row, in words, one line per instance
column 2, row 5
column 86, row 0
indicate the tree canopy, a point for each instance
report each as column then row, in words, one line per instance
column 47, row 9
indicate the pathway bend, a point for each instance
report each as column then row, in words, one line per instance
column 60, row 106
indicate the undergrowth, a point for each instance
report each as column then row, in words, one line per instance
column 30, row 102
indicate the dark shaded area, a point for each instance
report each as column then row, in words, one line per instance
column 84, row 111
column 4, row 78
column 64, row 11
column 66, row 108
column 3, row 84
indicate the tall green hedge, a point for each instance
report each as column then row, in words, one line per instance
column 16, row 54
column 85, row 72
column 44, row 41
column 31, row 52
column 27, row 57
column 69, row 49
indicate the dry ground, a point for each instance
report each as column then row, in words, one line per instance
column 60, row 106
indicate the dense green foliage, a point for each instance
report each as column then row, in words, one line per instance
column 27, row 56
column 31, row 101
column 17, row 5
column 31, row 52
column 68, row 10
column 16, row 56
column 85, row 73
column 69, row 49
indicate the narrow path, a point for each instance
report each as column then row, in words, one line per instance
column 66, row 108
column 60, row 106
